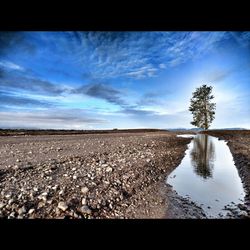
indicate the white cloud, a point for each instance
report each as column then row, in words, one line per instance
column 58, row 119
column 116, row 54
column 143, row 72
column 10, row 65
column 162, row 65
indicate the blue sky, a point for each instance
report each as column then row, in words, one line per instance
column 102, row 80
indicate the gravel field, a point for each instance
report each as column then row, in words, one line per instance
column 119, row 175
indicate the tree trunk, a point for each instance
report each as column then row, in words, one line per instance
column 205, row 104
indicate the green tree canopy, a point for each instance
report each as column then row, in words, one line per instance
column 202, row 108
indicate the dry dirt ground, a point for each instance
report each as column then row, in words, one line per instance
column 115, row 175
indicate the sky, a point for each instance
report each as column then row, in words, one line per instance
column 106, row 80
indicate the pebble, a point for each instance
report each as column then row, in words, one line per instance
column 84, row 190
column 109, row 169
column 22, row 210
column 53, row 167
column 85, row 210
column 31, row 211
column 12, row 215
column 40, row 204
column 10, row 201
column 43, row 196
column 62, row 205
column 1, row 205
column 16, row 167
column 61, row 192
column 55, row 187
column 84, row 202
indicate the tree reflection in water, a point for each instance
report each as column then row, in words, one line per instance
column 203, row 156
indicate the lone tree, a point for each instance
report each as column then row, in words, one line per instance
column 201, row 107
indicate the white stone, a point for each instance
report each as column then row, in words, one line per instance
column 10, row 201
column 21, row 210
column 84, row 190
column 31, row 211
column 62, row 205
column 61, row 192
column 1, row 205
column 109, row 169
column 84, row 201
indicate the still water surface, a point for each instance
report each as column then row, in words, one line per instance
column 207, row 175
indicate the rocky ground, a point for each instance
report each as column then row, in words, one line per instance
column 239, row 145
column 119, row 175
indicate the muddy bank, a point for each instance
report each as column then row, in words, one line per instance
column 239, row 144
column 119, row 175
column 182, row 208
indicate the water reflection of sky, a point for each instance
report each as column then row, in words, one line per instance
column 207, row 175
